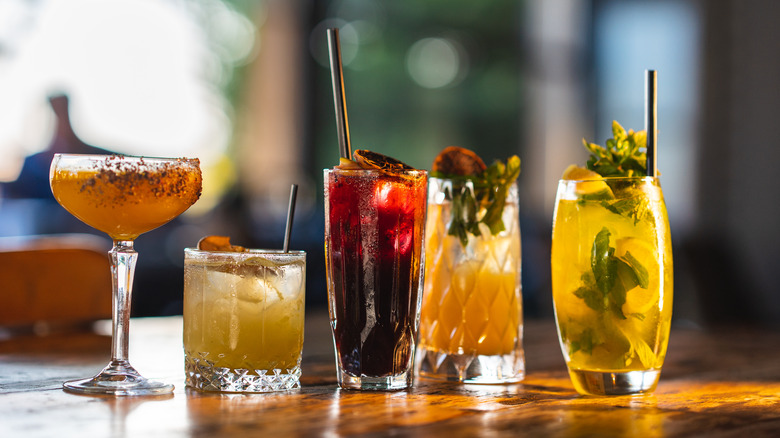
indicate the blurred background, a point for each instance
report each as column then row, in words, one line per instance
column 244, row 86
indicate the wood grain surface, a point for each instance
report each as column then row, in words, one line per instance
column 722, row 383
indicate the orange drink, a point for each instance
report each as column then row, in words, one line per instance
column 125, row 199
column 471, row 322
column 471, row 318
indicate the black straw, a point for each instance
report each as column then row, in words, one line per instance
column 651, row 121
column 290, row 214
column 339, row 98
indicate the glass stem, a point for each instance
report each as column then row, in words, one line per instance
column 123, row 258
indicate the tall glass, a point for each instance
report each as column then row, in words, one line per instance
column 243, row 319
column 123, row 197
column 373, row 239
column 471, row 327
column 612, row 283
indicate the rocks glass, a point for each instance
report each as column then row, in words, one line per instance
column 243, row 319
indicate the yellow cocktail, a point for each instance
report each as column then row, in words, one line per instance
column 243, row 319
column 612, row 282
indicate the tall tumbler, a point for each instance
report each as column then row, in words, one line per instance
column 612, row 283
column 471, row 326
column 374, row 224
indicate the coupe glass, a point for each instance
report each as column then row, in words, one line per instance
column 612, row 283
column 123, row 197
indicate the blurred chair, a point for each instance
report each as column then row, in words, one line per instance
column 53, row 282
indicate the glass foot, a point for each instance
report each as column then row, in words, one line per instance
column 471, row 368
column 384, row 383
column 118, row 378
column 606, row 383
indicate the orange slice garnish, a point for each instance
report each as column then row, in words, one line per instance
column 373, row 160
column 218, row 243
column 455, row 160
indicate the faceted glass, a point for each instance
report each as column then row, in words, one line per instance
column 471, row 327
column 243, row 319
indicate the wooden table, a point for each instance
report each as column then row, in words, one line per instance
column 714, row 384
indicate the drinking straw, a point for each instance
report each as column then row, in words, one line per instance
column 651, row 121
column 339, row 99
column 290, row 214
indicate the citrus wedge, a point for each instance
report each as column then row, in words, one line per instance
column 590, row 183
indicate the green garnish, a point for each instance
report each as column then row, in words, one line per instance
column 485, row 205
column 611, row 277
column 625, row 154
column 604, row 289
column 585, row 343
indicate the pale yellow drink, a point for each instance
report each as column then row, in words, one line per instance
column 612, row 281
column 472, row 305
column 243, row 319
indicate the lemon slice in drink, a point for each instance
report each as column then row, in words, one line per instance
column 591, row 183
column 640, row 300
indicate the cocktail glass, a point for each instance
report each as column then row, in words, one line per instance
column 123, row 197
column 471, row 327
column 374, row 223
column 612, row 283
column 243, row 319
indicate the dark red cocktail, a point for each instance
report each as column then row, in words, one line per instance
column 374, row 225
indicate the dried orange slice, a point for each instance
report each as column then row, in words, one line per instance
column 374, row 160
column 218, row 243
column 458, row 161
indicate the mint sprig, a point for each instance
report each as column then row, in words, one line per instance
column 610, row 278
column 625, row 153
column 489, row 195
column 604, row 288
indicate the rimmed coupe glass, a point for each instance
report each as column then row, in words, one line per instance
column 123, row 197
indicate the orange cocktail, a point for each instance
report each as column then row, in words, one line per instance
column 125, row 198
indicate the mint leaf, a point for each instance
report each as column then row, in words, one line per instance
column 493, row 215
column 592, row 297
column 586, row 342
column 636, row 208
column 617, row 297
column 457, row 225
column 603, row 264
column 640, row 272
